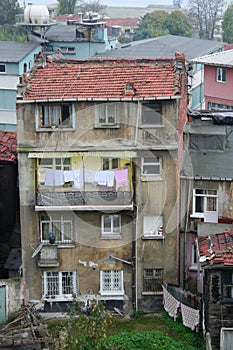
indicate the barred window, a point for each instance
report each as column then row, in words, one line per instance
column 111, row 282
column 59, row 284
column 152, row 280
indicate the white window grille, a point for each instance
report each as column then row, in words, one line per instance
column 205, row 204
column 60, row 225
column 59, row 285
column 153, row 225
column 111, row 282
column 152, row 280
column 111, row 225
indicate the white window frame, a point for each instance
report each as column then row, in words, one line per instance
column 205, row 195
column 153, row 226
column 109, row 279
column 56, row 222
column 104, row 110
column 53, row 113
column 151, row 161
column 112, row 233
column 58, row 278
column 221, row 74
column 222, row 338
column 50, row 164
column 3, row 65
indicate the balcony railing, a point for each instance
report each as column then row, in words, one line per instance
column 81, row 198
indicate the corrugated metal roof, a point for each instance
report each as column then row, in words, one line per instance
column 165, row 46
column 12, row 51
column 224, row 58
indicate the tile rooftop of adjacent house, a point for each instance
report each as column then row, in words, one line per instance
column 8, row 146
column 217, row 248
column 104, row 79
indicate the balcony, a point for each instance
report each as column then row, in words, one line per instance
column 84, row 200
column 47, row 255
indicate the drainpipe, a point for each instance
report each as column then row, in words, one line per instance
column 134, row 245
column 137, row 123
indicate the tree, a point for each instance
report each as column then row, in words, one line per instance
column 177, row 23
column 151, row 25
column 8, row 10
column 91, row 6
column 66, row 6
column 227, row 25
column 205, row 15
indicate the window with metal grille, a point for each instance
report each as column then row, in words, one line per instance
column 60, row 225
column 59, row 284
column 111, row 282
column 152, row 280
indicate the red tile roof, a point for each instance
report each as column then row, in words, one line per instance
column 104, row 79
column 123, row 22
column 217, row 248
column 8, row 146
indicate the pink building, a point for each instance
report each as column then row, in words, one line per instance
column 218, row 79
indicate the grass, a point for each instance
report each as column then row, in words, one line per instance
column 145, row 323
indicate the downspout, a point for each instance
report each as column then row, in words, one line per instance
column 134, row 245
column 137, row 123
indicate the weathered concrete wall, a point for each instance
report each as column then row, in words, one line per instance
column 14, row 294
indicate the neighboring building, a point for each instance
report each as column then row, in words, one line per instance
column 206, row 204
column 131, row 11
column 165, row 46
column 122, row 27
column 99, row 153
column 216, row 261
column 16, row 60
column 218, row 77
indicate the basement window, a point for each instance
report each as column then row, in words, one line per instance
column 55, row 116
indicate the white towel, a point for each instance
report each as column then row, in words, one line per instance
column 101, row 178
column 68, row 175
column 110, row 178
column 90, row 176
column 49, row 177
column 78, row 179
column 59, row 178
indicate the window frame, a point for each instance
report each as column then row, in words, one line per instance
column 157, row 221
column 205, row 196
column 5, row 68
column 59, row 277
column 221, row 75
column 106, row 123
column 194, row 257
column 53, row 220
column 145, row 110
column 157, row 163
column 226, row 298
column 65, row 164
column 114, row 276
column 56, row 122
column 110, row 234
column 157, row 275
column 108, row 163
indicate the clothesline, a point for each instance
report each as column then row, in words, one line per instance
column 108, row 178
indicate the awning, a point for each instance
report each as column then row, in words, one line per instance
column 110, row 154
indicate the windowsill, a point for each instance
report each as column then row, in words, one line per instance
column 193, row 268
column 197, row 216
column 152, row 293
column 57, row 299
column 105, row 236
column 149, row 178
column 227, row 301
column 156, row 237
column 58, row 244
column 50, row 129
column 151, row 126
column 107, row 126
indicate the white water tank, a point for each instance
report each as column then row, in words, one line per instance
column 34, row 14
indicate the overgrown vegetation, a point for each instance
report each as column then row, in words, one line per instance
column 11, row 33
column 100, row 331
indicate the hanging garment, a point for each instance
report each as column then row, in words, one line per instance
column 110, row 178
column 101, row 178
column 190, row 317
column 90, row 176
column 58, row 178
column 121, row 177
column 49, row 177
column 171, row 304
column 68, row 175
column 78, row 179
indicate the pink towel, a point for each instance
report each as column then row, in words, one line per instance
column 121, row 177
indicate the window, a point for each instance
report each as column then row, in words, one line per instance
column 152, row 280
column 193, row 266
column 221, row 74
column 227, row 281
column 217, row 106
column 59, row 285
column 151, row 165
column 152, row 114
column 60, row 225
column 106, row 114
column 68, row 49
column 226, row 338
column 2, row 68
column 110, row 163
column 111, row 225
column 111, row 282
column 55, row 115
column 205, row 204
column 51, row 164
column 153, row 225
